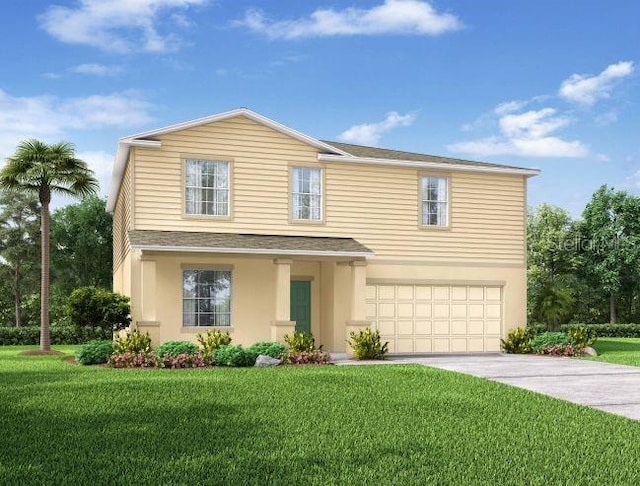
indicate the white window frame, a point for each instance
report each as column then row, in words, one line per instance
column 220, row 319
column 197, row 188
column 441, row 202
column 294, row 194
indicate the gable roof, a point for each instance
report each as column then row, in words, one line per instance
column 328, row 151
column 365, row 152
column 149, row 139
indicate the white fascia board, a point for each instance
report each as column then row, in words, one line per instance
column 255, row 251
column 429, row 165
column 119, row 165
column 240, row 112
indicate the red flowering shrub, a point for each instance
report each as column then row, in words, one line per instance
column 133, row 360
column 309, row 357
column 558, row 350
column 150, row 360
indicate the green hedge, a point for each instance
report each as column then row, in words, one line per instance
column 608, row 330
column 59, row 335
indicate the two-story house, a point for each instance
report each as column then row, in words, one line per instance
column 240, row 223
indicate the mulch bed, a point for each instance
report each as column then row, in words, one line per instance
column 39, row 352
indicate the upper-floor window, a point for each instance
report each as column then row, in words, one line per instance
column 306, row 194
column 207, row 187
column 435, row 201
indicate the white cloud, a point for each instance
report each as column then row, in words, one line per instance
column 528, row 134
column 101, row 163
column 50, row 118
column 586, row 89
column 509, row 107
column 606, row 118
column 97, row 69
column 370, row 133
column 415, row 17
column 117, row 25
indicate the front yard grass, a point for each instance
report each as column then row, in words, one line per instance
column 67, row 424
column 625, row 351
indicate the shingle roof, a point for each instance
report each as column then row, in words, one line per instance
column 381, row 153
column 243, row 243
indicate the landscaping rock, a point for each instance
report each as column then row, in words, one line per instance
column 589, row 351
column 263, row 360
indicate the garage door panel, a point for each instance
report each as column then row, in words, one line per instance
column 475, row 345
column 405, row 328
column 423, row 292
column 423, row 310
column 423, row 345
column 387, row 328
column 493, row 311
column 387, row 292
column 476, row 328
column 404, row 346
column 405, row 310
column 423, row 327
column 441, row 327
column 492, row 344
column 459, row 327
column 492, row 327
column 441, row 345
column 387, row 310
column 441, row 293
column 458, row 310
column 441, row 310
column 436, row 318
column 372, row 292
column 476, row 311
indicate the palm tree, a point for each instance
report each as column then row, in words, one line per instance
column 44, row 169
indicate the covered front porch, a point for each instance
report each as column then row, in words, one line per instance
column 256, row 287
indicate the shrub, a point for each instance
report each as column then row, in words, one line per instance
column 59, row 335
column 554, row 343
column 518, row 341
column 213, row 340
column 582, row 336
column 132, row 342
column 91, row 306
column 183, row 360
column 299, row 342
column 128, row 359
column 537, row 328
column 608, row 330
column 176, row 348
column 232, row 355
column 94, row 352
column 366, row 344
column 309, row 357
column 275, row 350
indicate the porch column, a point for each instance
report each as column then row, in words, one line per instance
column 282, row 323
column 358, row 313
column 148, row 297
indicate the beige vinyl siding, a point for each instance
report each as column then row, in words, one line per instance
column 377, row 205
column 122, row 218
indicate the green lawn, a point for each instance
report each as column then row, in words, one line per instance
column 624, row 351
column 67, row 424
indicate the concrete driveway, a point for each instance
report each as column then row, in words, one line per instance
column 608, row 387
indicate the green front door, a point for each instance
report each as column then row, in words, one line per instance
column 301, row 305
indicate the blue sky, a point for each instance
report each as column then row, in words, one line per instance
column 547, row 84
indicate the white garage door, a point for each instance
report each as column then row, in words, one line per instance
column 436, row 318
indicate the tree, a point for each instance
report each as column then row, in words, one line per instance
column 19, row 235
column 42, row 169
column 551, row 262
column 610, row 245
column 81, row 246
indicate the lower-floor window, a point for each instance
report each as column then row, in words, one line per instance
column 206, row 298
